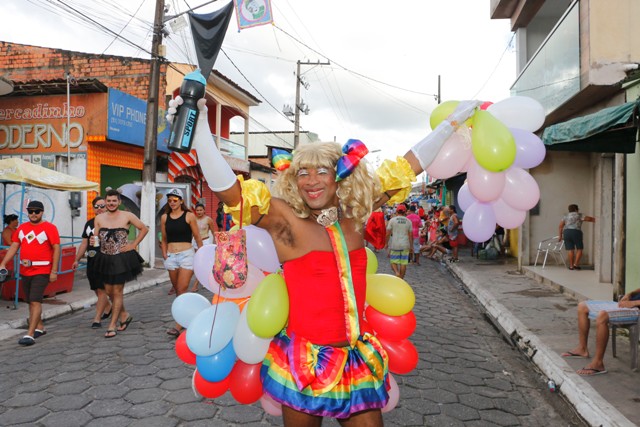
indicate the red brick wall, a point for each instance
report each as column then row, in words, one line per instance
column 22, row 63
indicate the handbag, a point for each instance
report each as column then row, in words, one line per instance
column 230, row 267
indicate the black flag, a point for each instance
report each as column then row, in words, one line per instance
column 208, row 31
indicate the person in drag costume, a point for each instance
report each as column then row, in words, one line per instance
column 324, row 363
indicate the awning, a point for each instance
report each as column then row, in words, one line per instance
column 610, row 130
column 15, row 170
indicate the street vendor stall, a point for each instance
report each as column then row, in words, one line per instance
column 26, row 175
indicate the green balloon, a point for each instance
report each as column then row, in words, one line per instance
column 268, row 308
column 493, row 145
column 441, row 112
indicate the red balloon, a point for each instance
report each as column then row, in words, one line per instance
column 209, row 389
column 245, row 384
column 403, row 356
column 485, row 105
column 182, row 349
column 392, row 328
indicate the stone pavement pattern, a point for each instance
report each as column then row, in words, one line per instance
column 467, row 374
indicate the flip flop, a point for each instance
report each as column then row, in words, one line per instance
column 124, row 325
column 589, row 372
column 96, row 325
column 111, row 333
column 105, row 316
column 572, row 354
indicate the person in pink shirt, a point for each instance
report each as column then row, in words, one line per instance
column 417, row 226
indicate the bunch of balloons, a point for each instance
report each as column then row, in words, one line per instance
column 227, row 339
column 390, row 318
column 494, row 147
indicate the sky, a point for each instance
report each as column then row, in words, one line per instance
column 385, row 57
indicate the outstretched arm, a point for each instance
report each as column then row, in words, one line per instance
column 421, row 155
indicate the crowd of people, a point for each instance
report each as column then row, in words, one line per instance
column 109, row 252
column 408, row 231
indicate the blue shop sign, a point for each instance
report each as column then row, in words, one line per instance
column 127, row 120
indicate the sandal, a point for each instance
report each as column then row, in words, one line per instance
column 105, row 316
column 96, row 325
column 124, row 325
column 111, row 333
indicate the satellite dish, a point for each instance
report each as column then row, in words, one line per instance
column 6, row 86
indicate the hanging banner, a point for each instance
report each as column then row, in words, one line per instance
column 251, row 13
column 208, row 32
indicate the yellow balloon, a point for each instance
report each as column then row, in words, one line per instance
column 441, row 112
column 268, row 308
column 372, row 262
column 389, row 294
column 493, row 145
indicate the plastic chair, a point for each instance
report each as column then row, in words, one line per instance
column 553, row 247
column 634, row 336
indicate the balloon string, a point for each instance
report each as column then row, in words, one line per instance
column 215, row 313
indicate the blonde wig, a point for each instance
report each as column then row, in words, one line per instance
column 357, row 192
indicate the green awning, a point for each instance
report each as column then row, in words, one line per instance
column 610, row 130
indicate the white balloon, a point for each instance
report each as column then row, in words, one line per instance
column 261, row 251
column 249, row 348
column 519, row 112
column 203, row 264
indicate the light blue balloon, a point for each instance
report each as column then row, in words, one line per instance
column 218, row 366
column 201, row 329
column 187, row 306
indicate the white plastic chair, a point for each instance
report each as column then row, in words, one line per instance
column 553, row 247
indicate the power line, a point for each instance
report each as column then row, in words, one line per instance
column 352, row 71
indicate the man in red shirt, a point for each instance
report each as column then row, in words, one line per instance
column 39, row 244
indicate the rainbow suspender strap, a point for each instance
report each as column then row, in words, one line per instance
column 341, row 253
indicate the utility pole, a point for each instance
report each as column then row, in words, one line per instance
column 148, row 194
column 298, row 108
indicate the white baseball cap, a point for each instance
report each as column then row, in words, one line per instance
column 175, row 192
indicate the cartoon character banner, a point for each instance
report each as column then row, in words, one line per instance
column 251, row 13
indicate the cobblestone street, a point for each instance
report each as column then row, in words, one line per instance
column 467, row 375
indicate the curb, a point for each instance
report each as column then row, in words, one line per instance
column 62, row 309
column 587, row 401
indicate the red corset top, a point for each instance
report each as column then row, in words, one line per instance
column 316, row 304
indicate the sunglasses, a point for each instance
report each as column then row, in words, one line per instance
column 34, row 211
column 99, row 206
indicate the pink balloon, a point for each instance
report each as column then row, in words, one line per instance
column 530, row 149
column 479, row 222
column 260, row 249
column 521, row 191
column 394, row 395
column 451, row 158
column 465, row 198
column 203, row 264
column 506, row 216
column 484, row 185
column 270, row 406
column 467, row 165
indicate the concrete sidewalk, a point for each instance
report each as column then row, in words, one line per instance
column 541, row 319
column 13, row 322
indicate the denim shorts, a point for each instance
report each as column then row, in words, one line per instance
column 182, row 259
